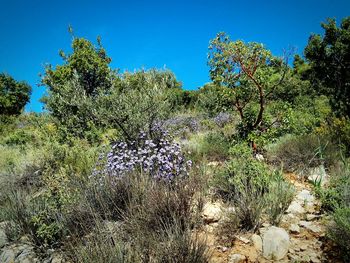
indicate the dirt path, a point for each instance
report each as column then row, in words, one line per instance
column 303, row 222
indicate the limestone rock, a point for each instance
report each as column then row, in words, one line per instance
column 305, row 196
column 310, row 226
column 275, row 243
column 319, row 174
column 295, row 208
column 236, row 258
column 259, row 157
column 257, row 242
column 294, row 228
column 243, row 239
column 212, row 212
column 311, row 217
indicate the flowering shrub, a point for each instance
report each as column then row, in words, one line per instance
column 222, row 119
column 180, row 123
column 160, row 158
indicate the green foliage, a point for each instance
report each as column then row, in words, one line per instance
column 86, row 97
column 278, row 198
column 308, row 113
column 138, row 102
column 252, row 189
column 339, row 232
column 88, row 62
column 249, row 70
column 212, row 146
column 329, row 59
column 14, row 95
column 213, row 99
column 338, row 129
column 335, row 198
column 337, row 194
column 74, row 86
column 244, row 183
column 298, row 153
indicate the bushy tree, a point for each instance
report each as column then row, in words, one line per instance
column 213, row 99
column 14, row 95
column 74, row 86
column 138, row 101
column 88, row 62
column 250, row 71
column 329, row 60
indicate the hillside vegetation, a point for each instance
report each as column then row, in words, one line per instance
column 130, row 167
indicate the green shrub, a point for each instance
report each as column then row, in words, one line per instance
column 337, row 192
column 278, row 198
column 339, row 232
column 212, row 146
column 38, row 218
column 155, row 222
column 244, row 183
column 103, row 248
column 298, row 153
column 252, row 189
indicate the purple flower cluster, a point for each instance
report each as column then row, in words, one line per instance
column 161, row 159
column 180, row 123
column 222, row 119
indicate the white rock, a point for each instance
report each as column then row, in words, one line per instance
column 294, row 228
column 319, row 174
column 259, row 157
column 305, row 197
column 275, row 243
column 212, row 212
column 243, row 239
column 295, row 208
column 224, row 249
column 56, row 258
column 310, row 217
column 257, row 242
column 310, row 226
column 236, row 258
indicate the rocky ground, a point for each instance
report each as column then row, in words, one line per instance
column 299, row 238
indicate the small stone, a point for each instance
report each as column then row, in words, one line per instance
column 291, row 250
column 224, row 249
column 294, row 228
column 236, row 258
column 310, row 217
column 303, row 247
column 259, row 157
column 243, row 239
column 297, row 249
column 56, row 258
column 257, row 242
column 212, row 212
column 319, row 175
column 275, row 243
column 289, row 219
column 295, row 208
column 310, row 226
column 305, row 196
column 24, row 239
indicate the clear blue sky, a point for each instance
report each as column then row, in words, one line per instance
column 150, row 34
